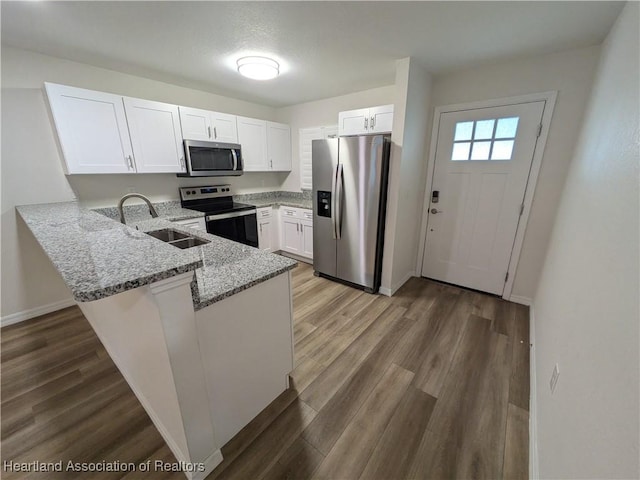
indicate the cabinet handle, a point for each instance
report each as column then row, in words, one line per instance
column 130, row 162
column 271, row 164
column 373, row 122
column 215, row 132
column 297, row 227
column 366, row 122
column 260, row 228
column 182, row 163
column 209, row 128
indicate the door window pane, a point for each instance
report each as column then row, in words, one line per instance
column 461, row 151
column 480, row 151
column 507, row 127
column 484, row 130
column 502, row 150
column 463, row 131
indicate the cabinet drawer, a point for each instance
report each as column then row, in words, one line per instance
column 290, row 212
column 264, row 212
column 294, row 212
column 195, row 223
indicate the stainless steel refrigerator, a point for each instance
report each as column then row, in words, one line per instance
column 349, row 206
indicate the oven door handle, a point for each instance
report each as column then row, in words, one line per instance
column 235, row 159
column 222, row 216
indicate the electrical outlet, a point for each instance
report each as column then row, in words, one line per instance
column 554, row 378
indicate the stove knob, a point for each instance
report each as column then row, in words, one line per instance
column 188, row 192
column 193, row 191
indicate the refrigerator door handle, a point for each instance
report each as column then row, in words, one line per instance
column 338, row 210
column 333, row 202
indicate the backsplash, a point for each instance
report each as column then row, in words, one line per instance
column 273, row 196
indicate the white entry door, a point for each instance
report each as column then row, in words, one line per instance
column 483, row 159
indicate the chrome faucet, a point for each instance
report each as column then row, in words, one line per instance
column 152, row 209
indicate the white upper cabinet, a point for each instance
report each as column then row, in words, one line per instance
column 266, row 146
column 381, row 119
column 205, row 125
column 279, row 147
column 353, row 122
column 252, row 137
column 366, row 121
column 92, row 130
column 224, row 127
column 196, row 124
column 156, row 136
column 105, row 133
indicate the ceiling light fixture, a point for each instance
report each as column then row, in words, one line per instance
column 258, row 68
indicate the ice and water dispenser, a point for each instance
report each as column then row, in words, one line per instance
column 324, row 204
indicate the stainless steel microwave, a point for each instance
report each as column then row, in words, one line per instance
column 212, row 159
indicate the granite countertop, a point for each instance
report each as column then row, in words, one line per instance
column 276, row 199
column 170, row 210
column 99, row 257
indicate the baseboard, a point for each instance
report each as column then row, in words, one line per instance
column 210, row 464
column 294, row 257
column 521, row 300
column 390, row 291
column 533, row 410
column 35, row 312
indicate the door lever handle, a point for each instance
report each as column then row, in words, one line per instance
column 435, row 210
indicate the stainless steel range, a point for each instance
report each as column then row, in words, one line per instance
column 224, row 217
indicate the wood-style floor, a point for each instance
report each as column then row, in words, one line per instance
column 431, row 383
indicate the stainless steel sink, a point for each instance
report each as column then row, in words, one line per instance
column 189, row 242
column 176, row 238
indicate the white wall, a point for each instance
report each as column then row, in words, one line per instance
column 325, row 112
column 407, row 174
column 571, row 74
column 586, row 305
column 32, row 171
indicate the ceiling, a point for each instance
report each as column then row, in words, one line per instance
column 325, row 48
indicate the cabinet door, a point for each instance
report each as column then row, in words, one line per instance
column 306, row 243
column 291, row 235
column 225, row 128
column 353, row 122
column 92, row 130
column 252, row 137
column 195, row 223
column 279, row 146
column 196, row 124
column 156, row 136
column 381, row 119
column 265, row 235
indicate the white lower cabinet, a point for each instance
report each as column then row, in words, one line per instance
column 296, row 226
column 267, row 240
column 195, row 223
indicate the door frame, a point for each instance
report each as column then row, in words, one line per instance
column 550, row 101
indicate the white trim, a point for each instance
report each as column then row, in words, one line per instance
column 35, row 312
column 210, row 463
column 521, row 300
column 534, row 473
column 550, row 100
column 536, row 163
column 389, row 292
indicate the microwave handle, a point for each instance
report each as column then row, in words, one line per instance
column 235, row 159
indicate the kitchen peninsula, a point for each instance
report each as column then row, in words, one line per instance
column 203, row 335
